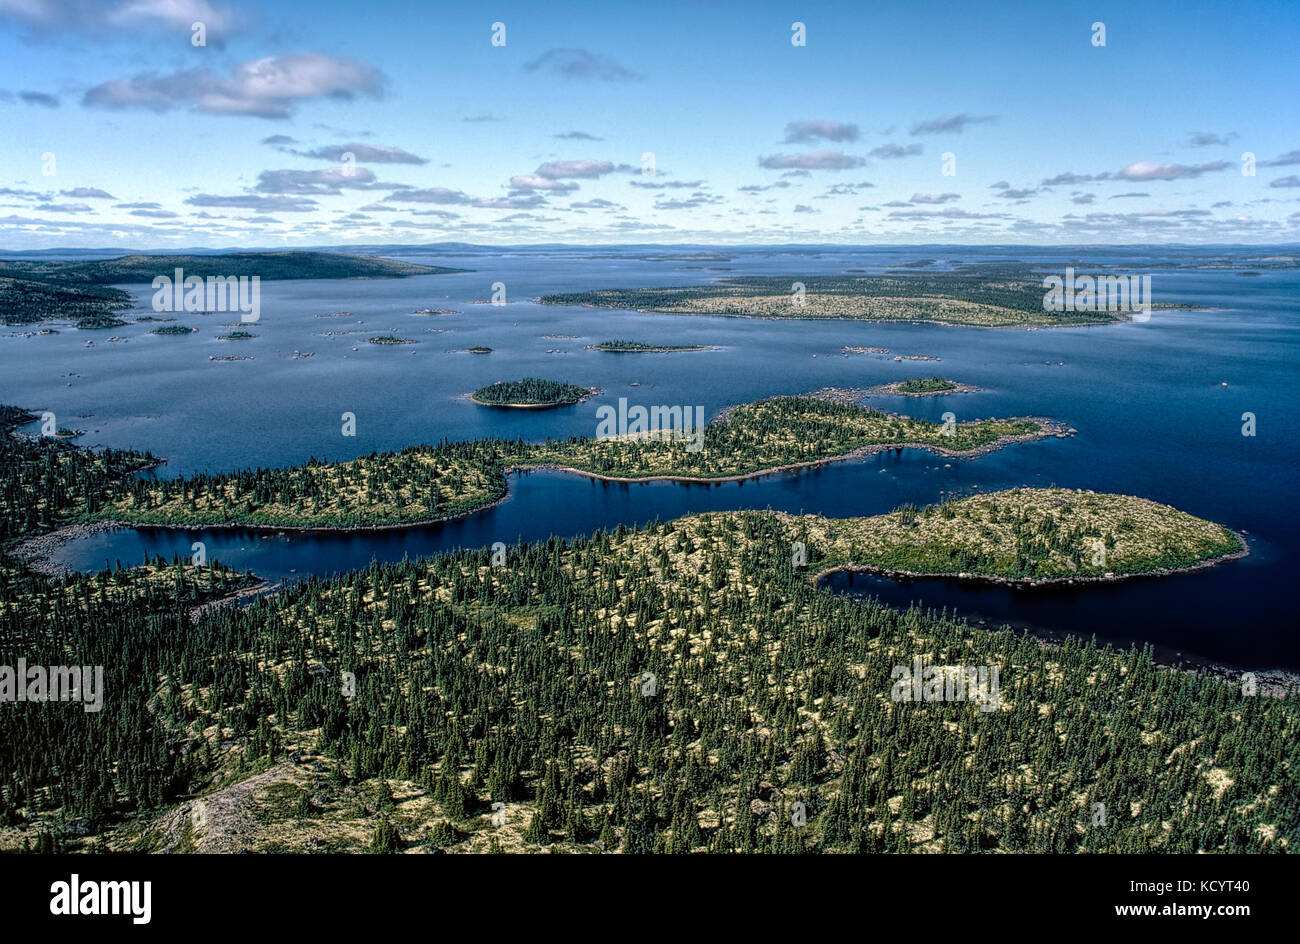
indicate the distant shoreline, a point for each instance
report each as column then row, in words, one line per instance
column 1123, row 317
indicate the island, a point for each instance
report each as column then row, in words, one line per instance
column 923, row 387
column 530, row 394
column 173, row 329
column 974, row 299
column 99, row 322
column 237, row 336
column 478, row 350
column 390, row 339
column 1030, row 536
column 637, row 347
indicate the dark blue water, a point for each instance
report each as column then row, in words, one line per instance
column 1153, row 417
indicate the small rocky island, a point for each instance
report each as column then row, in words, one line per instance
column 638, row 347
column 923, row 387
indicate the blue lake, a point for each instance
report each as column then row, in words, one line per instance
column 1147, row 399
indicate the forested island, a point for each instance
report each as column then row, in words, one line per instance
column 923, row 387
column 637, row 347
column 979, row 300
column 926, row 385
column 1028, row 535
column 529, row 393
column 99, row 322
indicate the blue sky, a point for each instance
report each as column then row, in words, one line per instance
column 159, row 143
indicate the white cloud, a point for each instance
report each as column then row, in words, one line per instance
column 813, row 160
column 265, row 88
column 813, row 128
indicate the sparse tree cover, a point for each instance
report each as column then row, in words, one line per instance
column 44, row 481
column 926, row 385
column 526, row 686
column 131, row 755
column 421, row 483
column 670, row 689
column 1029, row 534
column 424, row 483
column 986, row 299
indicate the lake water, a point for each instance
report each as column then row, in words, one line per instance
column 1146, row 398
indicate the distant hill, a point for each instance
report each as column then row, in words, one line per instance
column 267, row 265
column 35, row 290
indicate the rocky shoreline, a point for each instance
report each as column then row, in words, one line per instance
column 36, row 552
